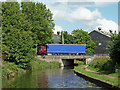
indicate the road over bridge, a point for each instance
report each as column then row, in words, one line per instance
column 64, row 60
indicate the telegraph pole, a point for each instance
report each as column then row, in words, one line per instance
column 62, row 38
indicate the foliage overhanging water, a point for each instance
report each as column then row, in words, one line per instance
column 49, row 78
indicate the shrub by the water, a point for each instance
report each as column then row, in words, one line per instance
column 102, row 64
column 10, row 69
column 40, row 64
column 79, row 62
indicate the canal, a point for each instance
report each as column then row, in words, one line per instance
column 55, row 78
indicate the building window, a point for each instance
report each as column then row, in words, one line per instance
column 99, row 44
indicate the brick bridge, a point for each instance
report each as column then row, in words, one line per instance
column 64, row 60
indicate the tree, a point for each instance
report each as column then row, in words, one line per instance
column 79, row 36
column 82, row 37
column 41, row 19
column 115, row 49
column 0, row 27
column 17, row 42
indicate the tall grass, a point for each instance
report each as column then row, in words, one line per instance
column 40, row 64
column 10, row 69
column 102, row 64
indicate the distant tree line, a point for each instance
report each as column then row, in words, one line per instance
column 23, row 26
column 79, row 36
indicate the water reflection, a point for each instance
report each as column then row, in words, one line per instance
column 57, row 78
column 66, row 78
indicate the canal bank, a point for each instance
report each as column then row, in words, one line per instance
column 97, row 78
column 11, row 71
column 50, row 75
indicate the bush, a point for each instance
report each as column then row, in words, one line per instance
column 9, row 68
column 114, row 50
column 102, row 64
column 79, row 62
column 39, row 64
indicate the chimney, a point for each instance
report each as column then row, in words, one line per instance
column 99, row 28
column 110, row 31
column 58, row 33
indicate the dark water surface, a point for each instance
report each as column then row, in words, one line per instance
column 54, row 78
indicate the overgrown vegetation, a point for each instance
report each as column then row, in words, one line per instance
column 41, row 65
column 79, row 62
column 10, row 69
column 114, row 50
column 102, row 64
column 79, row 36
column 104, row 72
column 23, row 26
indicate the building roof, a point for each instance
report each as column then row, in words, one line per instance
column 102, row 32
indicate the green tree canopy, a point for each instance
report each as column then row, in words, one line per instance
column 115, row 49
column 79, row 36
column 17, row 42
column 82, row 37
column 41, row 19
column 68, row 39
column 22, row 27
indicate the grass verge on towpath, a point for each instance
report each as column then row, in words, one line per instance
column 102, row 71
column 99, row 77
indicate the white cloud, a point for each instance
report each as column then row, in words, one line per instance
column 57, row 28
column 80, row 14
column 62, row 12
column 88, row 0
column 107, row 25
column 58, row 10
column 2, row 0
column 83, row 14
column 92, row 19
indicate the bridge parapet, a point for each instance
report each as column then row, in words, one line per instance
column 63, row 57
column 65, row 60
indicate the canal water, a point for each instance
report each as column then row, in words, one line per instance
column 55, row 78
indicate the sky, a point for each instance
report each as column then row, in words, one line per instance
column 87, row 15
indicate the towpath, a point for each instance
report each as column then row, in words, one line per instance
column 99, row 73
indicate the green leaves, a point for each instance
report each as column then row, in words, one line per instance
column 17, row 41
column 115, row 49
column 82, row 37
column 68, row 39
column 22, row 28
column 41, row 20
column 79, row 36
